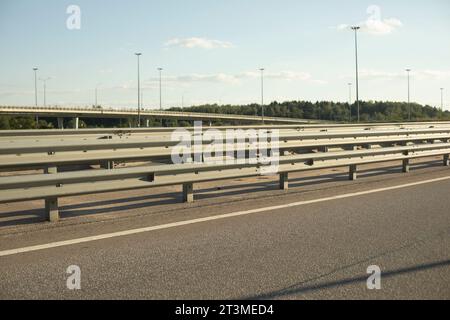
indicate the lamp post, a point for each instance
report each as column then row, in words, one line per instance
column 35, row 96
column 35, row 86
column 262, row 94
column 160, row 88
column 138, row 54
column 442, row 101
column 409, row 98
column 356, row 28
column 350, row 101
column 44, row 80
column 96, row 94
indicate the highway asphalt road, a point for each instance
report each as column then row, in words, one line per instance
column 317, row 249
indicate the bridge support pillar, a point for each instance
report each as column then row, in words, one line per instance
column 51, row 209
column 77, row 123
column 188, row 192
column 61, row 123
column 107, row 165
column 446, row 160
column 405, row 166
column 353, row 172
column 284, row 181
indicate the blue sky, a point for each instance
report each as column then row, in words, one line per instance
column 211, row 50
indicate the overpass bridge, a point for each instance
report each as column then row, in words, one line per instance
column 85, row 112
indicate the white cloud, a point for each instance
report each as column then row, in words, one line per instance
column 282, row 75
column 370, row 74
column 194, row 42
column 375, row 24
column 238, row 78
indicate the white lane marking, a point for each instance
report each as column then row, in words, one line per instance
column 218, row 217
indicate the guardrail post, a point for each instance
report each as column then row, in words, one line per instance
column 147, row 123
column 77, row 123
column 353, row 172
column 284, row 181
column 446, row 160
column 188, row 192
column 405, row 167
column 51, row 209
column 51, row 204
column 323, row 149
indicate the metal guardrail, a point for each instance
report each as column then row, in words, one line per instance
column 57, row 133
column 312, row 148
column 25, row 154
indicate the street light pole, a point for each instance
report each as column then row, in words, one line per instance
column 45, row 89
column 160, row 89
column 356, row 28
column 35, row 96
column 262, row 94
column 350, row 100
column 138, row 54
column 35, row 86
column 96, row 94
column 442, row 101
column 409, row 100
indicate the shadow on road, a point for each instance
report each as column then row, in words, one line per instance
column 303, row 287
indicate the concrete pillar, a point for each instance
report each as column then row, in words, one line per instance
column 107, row 164
column 147, row 123
column 51, row 209
column 405, row 166
column 188, row 192
column 446, row 160
column 61, row 123
column 284, row 181
column 77, row 122
column 353, row 173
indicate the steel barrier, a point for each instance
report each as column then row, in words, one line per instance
column 299, row 151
